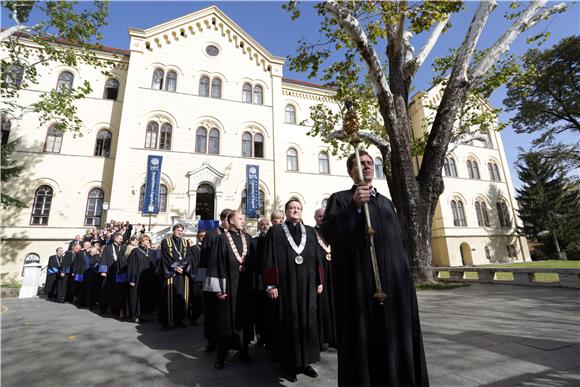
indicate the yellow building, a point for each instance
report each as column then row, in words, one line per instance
column 207, row 97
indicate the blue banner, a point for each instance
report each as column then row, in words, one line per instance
column 207, row 225
column 253, row 190
column 151, row 199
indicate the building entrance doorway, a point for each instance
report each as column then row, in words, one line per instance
column 205, row 202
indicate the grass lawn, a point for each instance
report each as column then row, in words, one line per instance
column 540, row 277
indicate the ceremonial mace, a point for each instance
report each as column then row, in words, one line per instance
column 351, row 129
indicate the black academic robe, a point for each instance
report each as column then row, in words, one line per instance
column 52, row 270
column 377, row 345
column 140, row 271
column 294, row 333
column 174, row 300
column 195, row 284
column 64, row 277
column 208, row 253
column 84, row 273
column 109, row 264
column 326, row 311
column 261, row 300
column 234, row 315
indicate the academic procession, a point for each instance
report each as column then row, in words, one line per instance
column 292, row 289
column 195, row 123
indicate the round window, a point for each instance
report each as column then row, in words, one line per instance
column 212, row 50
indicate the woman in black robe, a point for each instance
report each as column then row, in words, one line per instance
column 141, row 279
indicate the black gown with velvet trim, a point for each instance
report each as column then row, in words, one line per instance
column 377, row 345
column 294, row 331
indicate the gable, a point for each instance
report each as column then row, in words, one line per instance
column 195, row 24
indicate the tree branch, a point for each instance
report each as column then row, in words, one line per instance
column 527, row 19
column 475, row 29
column 413, row 65
column 352, row 27
column 373, row 138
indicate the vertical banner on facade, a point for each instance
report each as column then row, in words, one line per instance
column 253, row 190
column 151, row 199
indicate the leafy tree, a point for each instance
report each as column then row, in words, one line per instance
column 375, row 71
column 546, row 97
column 65, row 34
column 10, row 169
column 549, row 204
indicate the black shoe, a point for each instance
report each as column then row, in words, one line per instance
column 219, row 365
column 309, row 371
column 210, row 347
column 290, row 376
column 324, row 347
column 245, row 357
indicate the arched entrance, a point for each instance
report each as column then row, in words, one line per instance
column 466, row 258
column 205, row 202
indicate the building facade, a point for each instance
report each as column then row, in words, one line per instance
column 210, row 100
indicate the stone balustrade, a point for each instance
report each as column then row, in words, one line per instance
column 567, row 278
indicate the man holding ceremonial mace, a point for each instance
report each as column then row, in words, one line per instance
column 378, row 330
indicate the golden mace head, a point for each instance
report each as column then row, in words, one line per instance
column 350, row 123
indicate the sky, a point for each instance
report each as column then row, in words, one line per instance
column 273, row 28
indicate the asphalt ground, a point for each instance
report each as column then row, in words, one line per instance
column 499, row 335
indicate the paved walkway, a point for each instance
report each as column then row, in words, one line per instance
column 498, row 335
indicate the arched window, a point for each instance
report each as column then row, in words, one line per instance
column 323, row 163
column 111, row 89
column 201, row 140
column 458, row 213
column 171, row 81
column 258, row 145
column 213, row 146
column 246, row 144
column 14, row 76
column 65, row 81
column 482, row 215
column 247, row 93
column 157, row 82
column 503, row 214
column 204, row 86
column 258, row 95
column 291, row 159
column 261, row 207
column 41, row 205
column 449, row 168
column 216, row 88
column 94, row 207
column 379, row 168
column 489, row 142
column 162, row 198
column 53, row 140
column 151, row 135
column 103, row 144
column 473, row 169
column 324, row 202
column 290, row 114
column 6, row 127
column 493, row 171
column 165, row 138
